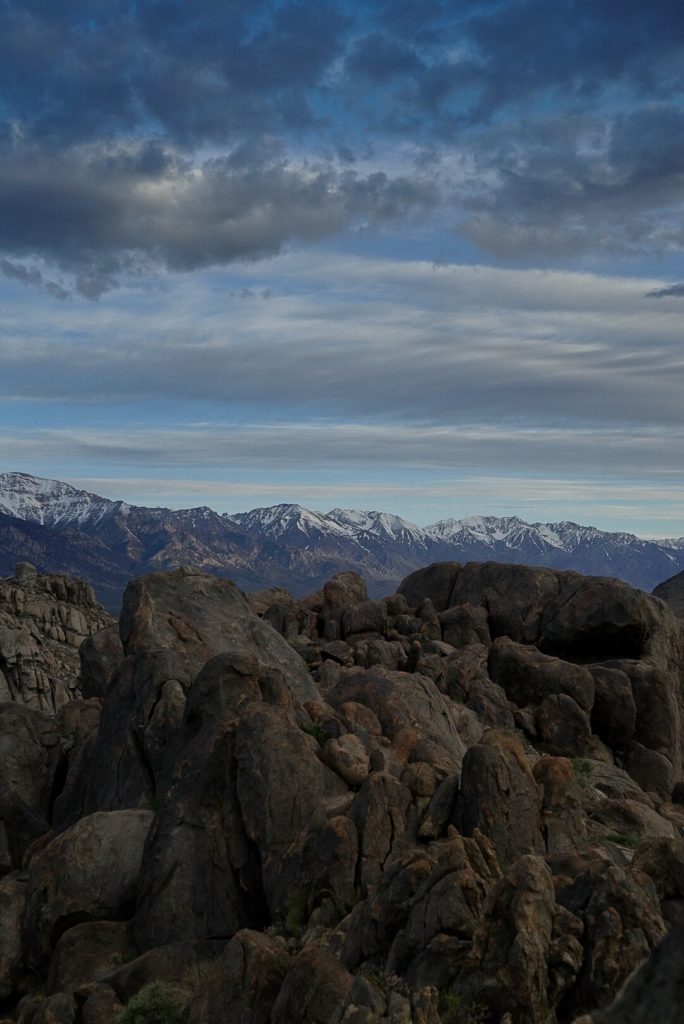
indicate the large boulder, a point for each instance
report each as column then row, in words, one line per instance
column 527, row 950
column 245, row 982
column 100, row 656
column 435, row 582
column 500, row 797
column 407, row 705
column 172, row 624
column 595, row 619
column 199, row 616
column 514, row 596
column 529, row 677
column 672, row 592
column 88, row 951
column 655, row 992
column 622, row 925
column 88, row 873
column 241, row 785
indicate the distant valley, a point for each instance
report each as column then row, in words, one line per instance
column 60, row 528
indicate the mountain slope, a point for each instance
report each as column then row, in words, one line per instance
column 62, row 528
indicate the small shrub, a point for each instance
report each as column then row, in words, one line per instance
column 311, row 729
column 455, row 1008
column 386, row 981
column 583, row 768
column 297, row 912
column 156, row 1003
column 622, row 839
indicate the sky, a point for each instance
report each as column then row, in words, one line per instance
column 417, row 257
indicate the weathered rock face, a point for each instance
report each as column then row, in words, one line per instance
column 30, row 755
column 500, row 796
column 43, row 621
column 90, row 872
column 462, row 802
column 672, row 592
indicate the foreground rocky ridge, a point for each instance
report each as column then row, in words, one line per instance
column 462, row 803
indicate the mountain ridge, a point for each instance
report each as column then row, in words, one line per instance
column 109, row 541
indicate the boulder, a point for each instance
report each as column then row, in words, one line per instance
column 613, row 716
column 365, row 617
column 449, row 902
column 435, row 581
column 596, row 619
column 563, row 726
column 402, row 701
column 343, row 591
column 87, row 952
column 672, row 592
column 88, row 873
column 197, row 617
column 500, row 797
column 100, row 656
column 241, row 785
column 313, row 990
column 464, row 624
column 527, row 950
column 514, row 596
column 622, row 926
column 529, row 677
column 244, row 983
column 172, row 624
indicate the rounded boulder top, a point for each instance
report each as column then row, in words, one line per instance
column 24, row 571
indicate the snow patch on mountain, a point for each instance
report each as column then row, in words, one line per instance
column 50, row 502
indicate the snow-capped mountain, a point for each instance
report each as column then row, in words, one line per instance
column 294, row 522
column 382, row 526
column 50, row 502
column 60, row 528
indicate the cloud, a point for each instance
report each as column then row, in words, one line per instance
column 191, row 135
column 566, row 186
column 31, row 276
column 347, row 338
column 671, row 291
column 100, row 212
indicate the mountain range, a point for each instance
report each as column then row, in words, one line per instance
column 61, row 528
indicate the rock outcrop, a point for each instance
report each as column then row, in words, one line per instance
column 43, row 622
column 462, row 803
column 672, row 592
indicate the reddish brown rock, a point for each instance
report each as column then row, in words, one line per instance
column 499, row 796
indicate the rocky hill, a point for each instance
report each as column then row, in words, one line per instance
column 462, row 804
column 61, row 528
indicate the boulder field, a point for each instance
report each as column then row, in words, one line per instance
column 460, row 804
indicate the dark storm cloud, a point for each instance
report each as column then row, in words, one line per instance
column 565, row 186
column 198, row 72
column 158, row 133
column 100, row 212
